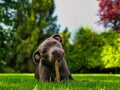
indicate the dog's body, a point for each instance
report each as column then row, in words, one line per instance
column 45, row 55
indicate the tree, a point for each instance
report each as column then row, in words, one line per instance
column 111, row 49
column 37, row 24
column 30, row 23
column 84, row 55
column 92, row 52
column 109, row 13
column 3, row 49
column 7, row 13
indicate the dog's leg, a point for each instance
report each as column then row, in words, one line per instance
column 37, row 72
column 65, row 74
column 44, row 74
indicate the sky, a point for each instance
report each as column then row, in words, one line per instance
column 76, row 13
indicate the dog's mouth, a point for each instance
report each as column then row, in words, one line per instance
column 53, row 57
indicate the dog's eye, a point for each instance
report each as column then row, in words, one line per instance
column 44, row 51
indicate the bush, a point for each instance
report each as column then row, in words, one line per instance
column 8, row 70
column 92, row 51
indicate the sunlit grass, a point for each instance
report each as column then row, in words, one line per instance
column 81, row 82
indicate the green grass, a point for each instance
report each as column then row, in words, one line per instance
column 81, row 82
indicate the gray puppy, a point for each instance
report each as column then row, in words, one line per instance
column 45, row 56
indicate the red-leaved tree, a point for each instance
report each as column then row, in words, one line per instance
column 109, row 13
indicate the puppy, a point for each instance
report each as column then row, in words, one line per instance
column 45, row 56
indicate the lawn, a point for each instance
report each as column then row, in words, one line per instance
column 81, row 82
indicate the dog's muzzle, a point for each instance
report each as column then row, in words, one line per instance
column 57, row 54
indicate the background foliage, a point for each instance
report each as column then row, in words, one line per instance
column 24, row 24
column 92, row 52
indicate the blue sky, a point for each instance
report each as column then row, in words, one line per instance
column 76, row 13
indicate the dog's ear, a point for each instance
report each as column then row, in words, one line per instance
column 36, row 57
column 57, row 37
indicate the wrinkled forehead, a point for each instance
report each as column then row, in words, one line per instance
column 50, row 42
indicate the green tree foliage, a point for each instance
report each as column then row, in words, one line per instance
column 65, row 36
column 111, row 50
column 66, row 44
column 6, row 33
column 30, row 22
column 84, row 52
column 2, row 50
column 92, row 52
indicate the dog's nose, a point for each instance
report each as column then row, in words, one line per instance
column 54, row 52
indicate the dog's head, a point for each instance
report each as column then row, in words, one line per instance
column 50, row 50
